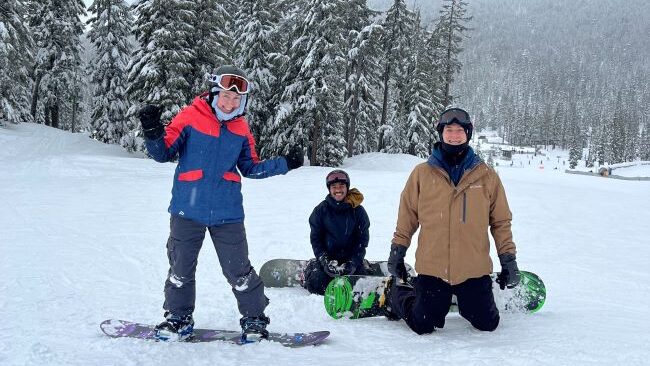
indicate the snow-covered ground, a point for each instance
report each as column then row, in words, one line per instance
column 82, row 239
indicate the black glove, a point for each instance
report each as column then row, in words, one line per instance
column 509, row 275
column 295, row 158
column 347, row 268
column 330, row 266
column 149, row 116
column 396, row 265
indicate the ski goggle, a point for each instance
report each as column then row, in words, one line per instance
column 454, row 115
column 231, row 81
column 337, row 176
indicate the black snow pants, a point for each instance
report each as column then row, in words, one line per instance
column 425, row 306
column 183, row 246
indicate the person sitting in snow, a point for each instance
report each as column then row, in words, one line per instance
column 339, row 234
column 215, row 148
column 453, row 199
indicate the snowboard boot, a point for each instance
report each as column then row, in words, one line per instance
column 175, row 328
column 253, row 328
column 392, row 286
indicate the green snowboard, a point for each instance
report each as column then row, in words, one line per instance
column 364, row 296
column 290, row 272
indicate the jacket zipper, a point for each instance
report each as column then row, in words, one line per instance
column 464, row 205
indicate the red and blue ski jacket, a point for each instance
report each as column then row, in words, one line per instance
column 207, row 184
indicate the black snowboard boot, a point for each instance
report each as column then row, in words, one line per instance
column 392, row 286
column 388, row 290
column 253, row 328
column 175, row 328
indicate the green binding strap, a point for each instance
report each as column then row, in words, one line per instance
column 338, row 297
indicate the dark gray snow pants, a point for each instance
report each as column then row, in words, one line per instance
column 183, row 246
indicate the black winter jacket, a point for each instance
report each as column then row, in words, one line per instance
column 340, row 229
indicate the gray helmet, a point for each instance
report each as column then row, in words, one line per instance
column 233, row 83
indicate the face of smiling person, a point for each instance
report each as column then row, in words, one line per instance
column 338, row 191
column 454, row 134
column 228, row 101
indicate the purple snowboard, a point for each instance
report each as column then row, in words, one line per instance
column 122, row 328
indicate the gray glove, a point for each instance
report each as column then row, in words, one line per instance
column 509, row 275
column 396, row 265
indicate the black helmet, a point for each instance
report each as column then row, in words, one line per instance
column 455, row 115
column 337, row 176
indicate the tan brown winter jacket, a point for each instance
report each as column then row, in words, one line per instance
column 453, row 243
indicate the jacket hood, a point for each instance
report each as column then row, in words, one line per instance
column 354, row 197
column 352, row 200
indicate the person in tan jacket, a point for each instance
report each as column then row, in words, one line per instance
column 453, row 198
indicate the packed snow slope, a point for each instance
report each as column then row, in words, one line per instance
column 83, row 233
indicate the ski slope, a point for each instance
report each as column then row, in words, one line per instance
column 83, row 228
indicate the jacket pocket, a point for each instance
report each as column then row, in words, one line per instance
column 191, row 175
column 233, row 177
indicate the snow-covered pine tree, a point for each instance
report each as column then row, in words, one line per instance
column 73, row 108
column 618, row 131
column 211, row 41
column 575, row 146
column 559, row 123
column 110, row 27
column 310, row 112
column 644, row 143
column 160, row 70
column 420, row 113
column 56, row 28
column 598, row 144
column 362, row 79
column 15, row 60
column 257, row 25
column 451, row 28
column 271, row 139
column 431, row 65
column 631, row 118
column 397, row 29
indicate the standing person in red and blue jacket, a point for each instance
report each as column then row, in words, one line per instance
column 339, row 234
column 214, row 145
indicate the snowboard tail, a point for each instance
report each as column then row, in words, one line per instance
column 356, row 297
column 123, row 328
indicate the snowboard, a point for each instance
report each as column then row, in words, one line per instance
column 290, row 272
column 363, row 296
column 122, row 328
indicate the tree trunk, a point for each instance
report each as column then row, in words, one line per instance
column 384, row 107
column 315, row 142
column 54, row 109
column 35, row 92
